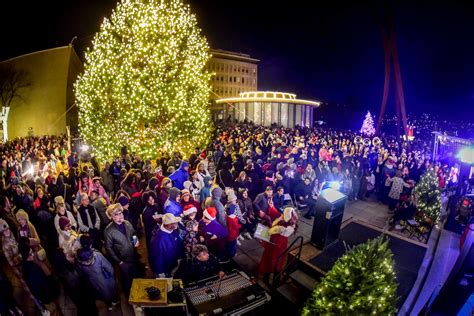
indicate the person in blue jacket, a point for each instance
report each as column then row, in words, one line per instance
column 181, row 175
column 172, row 204
column 165, row 247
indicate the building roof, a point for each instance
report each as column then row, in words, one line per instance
column 268, row 96
column 219, row 53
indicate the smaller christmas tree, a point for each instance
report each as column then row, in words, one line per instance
column 361, row 282
column 428, row 196
column 368, row 125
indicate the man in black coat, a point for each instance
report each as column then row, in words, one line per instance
column 203, row 265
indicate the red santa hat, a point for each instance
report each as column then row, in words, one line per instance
column 189, row 209
column 210, row 213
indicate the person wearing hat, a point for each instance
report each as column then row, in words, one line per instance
column 188, row 200
column 172, row 204
column 28, row 230
column 61, row 211
column 165, row 247
column 206, row 189
column 120, row 245
column 191, row 226
column 212, row 233
column 67, row 237
column 215, row 201
column 124, row 201
column 201, row 173
column 282, row 228
column 233, row 226
column 180, row 175
column 97, row 271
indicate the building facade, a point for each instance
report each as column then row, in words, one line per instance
column 268, row 107
column 234, row 73
column 47, row 105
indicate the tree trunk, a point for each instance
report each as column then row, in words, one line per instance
column 4, row 118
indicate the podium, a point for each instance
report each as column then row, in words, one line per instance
column 329, row 210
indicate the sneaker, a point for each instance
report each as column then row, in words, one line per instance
column 110, row 308
column 239, row 243
column 115, row 302
column 240, row 237
column 247, row 235
column 398, row 227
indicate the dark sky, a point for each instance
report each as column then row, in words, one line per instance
column 329, row 53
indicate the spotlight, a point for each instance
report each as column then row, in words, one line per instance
column 466, row 155
column 335, row 185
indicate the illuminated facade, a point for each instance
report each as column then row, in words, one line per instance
column 267, row 108
column 46, row 106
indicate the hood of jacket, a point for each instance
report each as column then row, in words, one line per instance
column 216, row 193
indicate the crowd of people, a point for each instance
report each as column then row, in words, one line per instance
column 66, row 218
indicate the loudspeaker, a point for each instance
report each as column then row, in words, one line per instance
column 329, row 210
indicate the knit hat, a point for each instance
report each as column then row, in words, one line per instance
column 123, row 200
column 231, row 196
column 169, row 218
column 3, row 225
column 63, row 222
column 174, row 192
column 184, row 192
column 210, row 213
column 189, row 209
column 21, row 214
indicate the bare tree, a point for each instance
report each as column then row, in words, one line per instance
column 13, row 82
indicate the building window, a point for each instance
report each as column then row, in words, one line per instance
column 243, row 80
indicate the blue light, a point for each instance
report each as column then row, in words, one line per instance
column 466, row 155
column 335, row 185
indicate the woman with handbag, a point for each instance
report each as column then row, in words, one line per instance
column 97, row 272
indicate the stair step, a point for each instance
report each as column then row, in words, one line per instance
column 293, row 293
column 304, row 280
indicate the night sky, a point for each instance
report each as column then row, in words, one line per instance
column 329, row 53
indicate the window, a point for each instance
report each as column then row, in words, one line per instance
column 243, row 80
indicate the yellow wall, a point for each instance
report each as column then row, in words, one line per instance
column 44, row 103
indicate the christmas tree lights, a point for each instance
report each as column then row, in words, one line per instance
column 368, row 125
column 361, row 282
column 428, row 196
column 145, row 83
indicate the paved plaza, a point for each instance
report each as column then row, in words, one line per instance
column 248, row 255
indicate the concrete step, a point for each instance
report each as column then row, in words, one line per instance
column 293, row 293
column 304, row 279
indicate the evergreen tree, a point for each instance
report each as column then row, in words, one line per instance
column 428, row 196
column 361, row 282
column 145, row 83
column 368, row 125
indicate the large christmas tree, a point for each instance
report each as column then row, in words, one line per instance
column 368, row 125
column 428, row 196
column 145, row 85
column 361, row 282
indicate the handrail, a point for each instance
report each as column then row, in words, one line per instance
column 277, row 274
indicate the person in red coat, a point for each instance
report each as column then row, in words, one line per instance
column 282, row 228
column 233, row 226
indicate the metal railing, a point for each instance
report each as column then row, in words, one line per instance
column 290, row 264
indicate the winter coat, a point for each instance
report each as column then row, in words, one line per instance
column 173, row 207
column 119, row 246
column 180, row 176
column 69, row 216
column 149, row 223
column 11, row 251
column 98, row 272
column 215, row 201
column 165, row 250
column 233, row 227
column 206, row 190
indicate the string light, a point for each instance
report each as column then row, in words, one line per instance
column 145, row 83
column 428, row 197
column 369, row 287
